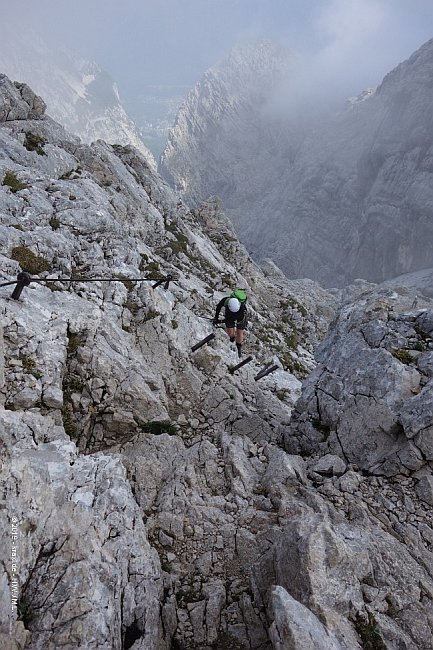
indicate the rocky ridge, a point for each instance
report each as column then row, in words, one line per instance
column 156, row 505
column 370, row 397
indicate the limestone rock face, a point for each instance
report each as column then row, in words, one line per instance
column 148, row 502
column 296, row 627
column 333, row 199
column 18, row 101
column 369, row 400
column 83, row 554
column 225, row 106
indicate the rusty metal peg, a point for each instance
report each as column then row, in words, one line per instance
column 165, row 281
column 232, row 369
column 266, row 371
column 203, row 342
column 23, row 280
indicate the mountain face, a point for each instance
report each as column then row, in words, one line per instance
column 77, row 92
column 221, row 121
column 154, row 499
column 345, row 197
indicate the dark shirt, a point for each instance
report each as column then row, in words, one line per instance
column 230, row 316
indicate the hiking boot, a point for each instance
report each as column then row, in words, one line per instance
column 239, row 347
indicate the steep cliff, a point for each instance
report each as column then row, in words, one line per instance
column 148, row 501
column 333, row 198
column 221, row 121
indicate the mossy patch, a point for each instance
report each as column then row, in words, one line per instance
column 11, row 181
column 54, row 223
column 150, row 268
column 35, row 142
column 294, row 304
column 158, row 427
column 73, row 384
column 403, row 355
column 29, row 366
column 180, row 243
column 69, row 423
column 150, row 316
column 291, row 340
column 30, row 262
column 132, row 307
column 369, row 632
column 25, row 612
column 129, row 284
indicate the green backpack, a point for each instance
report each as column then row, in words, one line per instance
column 240, row 294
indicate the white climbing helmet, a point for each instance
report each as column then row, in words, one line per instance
column 234, row 304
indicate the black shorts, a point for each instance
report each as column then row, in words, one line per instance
column 232, row 320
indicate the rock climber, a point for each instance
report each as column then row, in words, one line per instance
column 235, row 316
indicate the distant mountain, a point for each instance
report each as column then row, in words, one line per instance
column 350, row 196
column 213, row 145
column 78, row 93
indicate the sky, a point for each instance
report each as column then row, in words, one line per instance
column 143, row 43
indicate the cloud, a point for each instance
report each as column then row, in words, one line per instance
column 352, row 32
column 365, row 39
column 347, row 22
column 345, row 45
column 349, row 46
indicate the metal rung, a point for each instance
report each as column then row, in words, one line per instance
column 266, row 371
column 232, row 369
column 203, row 342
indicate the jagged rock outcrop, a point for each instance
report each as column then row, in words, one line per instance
column 19, row 102
column 420, row 283
column 332, row 199
column 369, row 400
column 152, row 503
column 85, row 569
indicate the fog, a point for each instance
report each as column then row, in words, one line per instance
column 346, row 45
